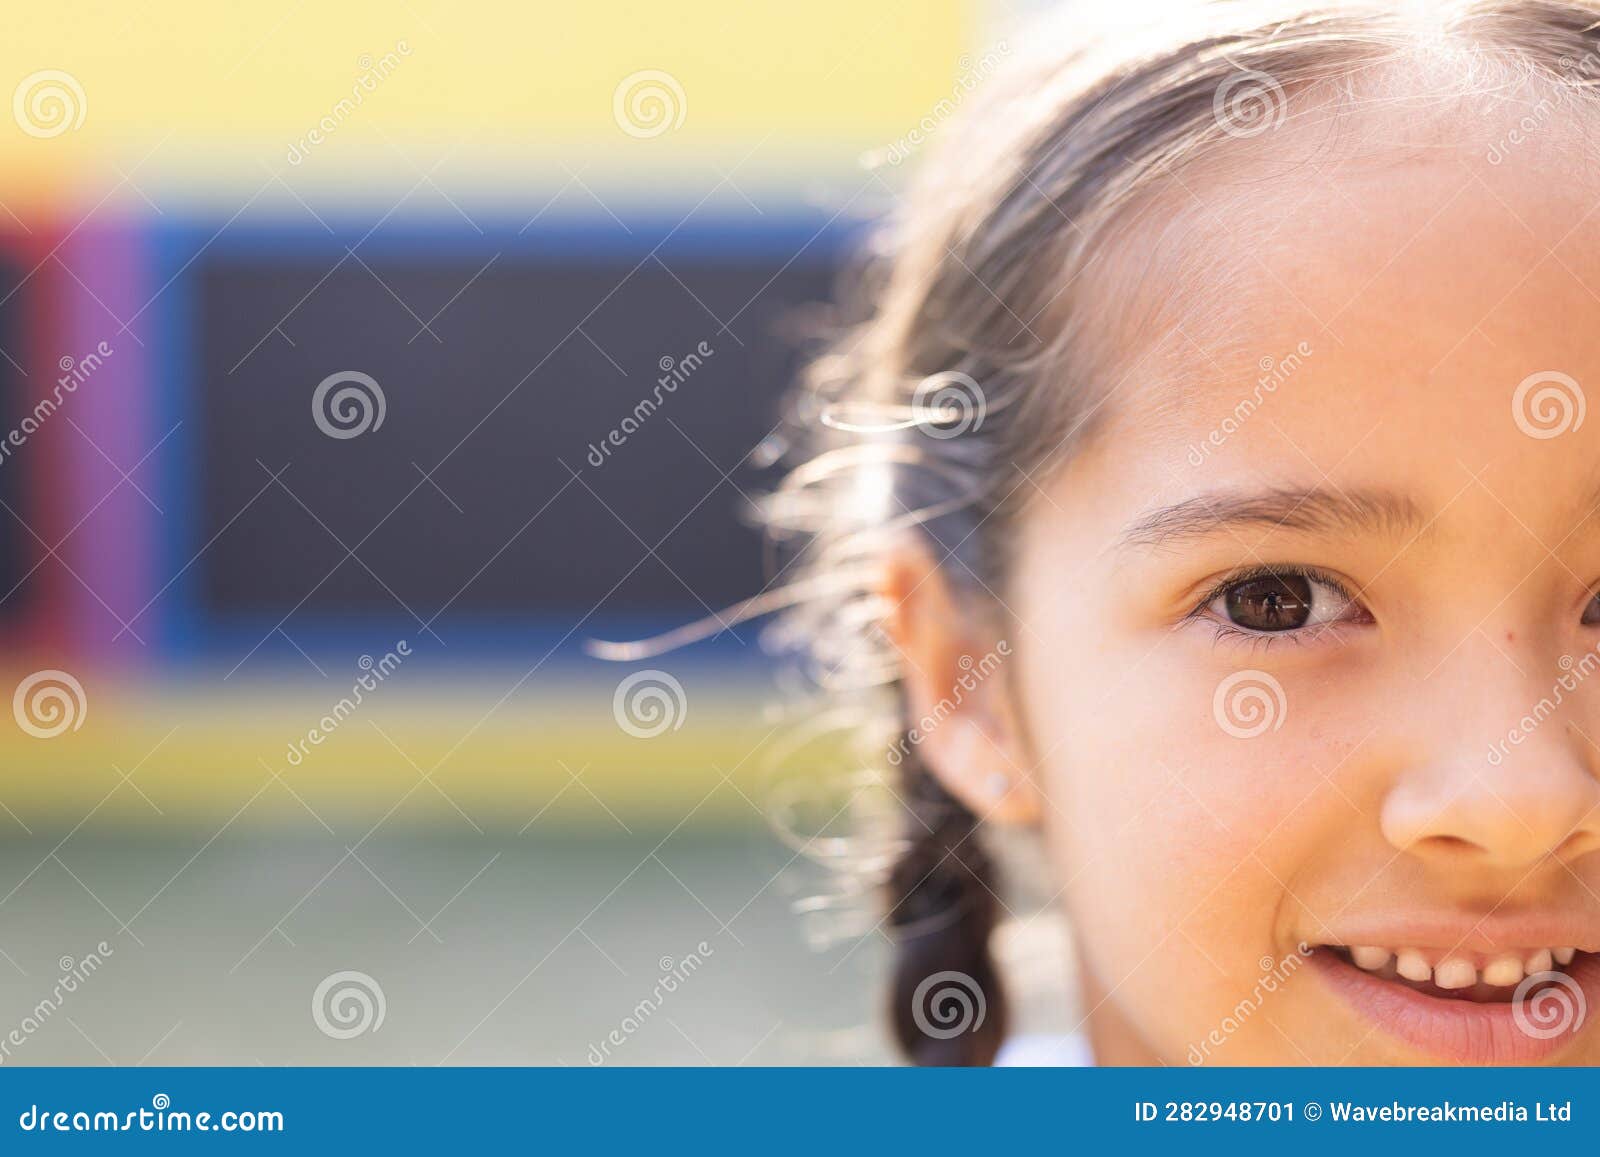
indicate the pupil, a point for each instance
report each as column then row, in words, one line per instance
column 1271, row 603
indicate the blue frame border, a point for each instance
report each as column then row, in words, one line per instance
column 181, row 629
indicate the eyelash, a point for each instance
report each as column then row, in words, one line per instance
column 1262, row 639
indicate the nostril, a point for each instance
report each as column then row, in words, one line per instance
column 1575, row 845
column 1454, row 845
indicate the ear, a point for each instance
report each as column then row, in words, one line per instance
column 959, row 710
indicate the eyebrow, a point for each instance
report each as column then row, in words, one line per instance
column 1314, row 510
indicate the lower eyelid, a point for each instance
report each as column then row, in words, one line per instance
column 1230, row 634
column 1226, row 634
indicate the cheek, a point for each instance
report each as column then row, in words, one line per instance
column 1176, row 830
column 1156, row 775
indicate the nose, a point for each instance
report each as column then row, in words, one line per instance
column 1528, row 793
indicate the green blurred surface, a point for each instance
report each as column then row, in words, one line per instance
column 546, row 943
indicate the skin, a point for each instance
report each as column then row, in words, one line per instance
column 1185, row 854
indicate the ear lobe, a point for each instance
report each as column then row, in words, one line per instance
column 953, row 676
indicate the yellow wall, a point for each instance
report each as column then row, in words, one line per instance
column 198, row 754
column 223, row 87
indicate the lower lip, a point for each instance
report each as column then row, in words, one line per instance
column 1460, row 1030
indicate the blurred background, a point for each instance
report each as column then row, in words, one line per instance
column 358, row 365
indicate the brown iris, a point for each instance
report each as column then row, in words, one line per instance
column 1280, row 602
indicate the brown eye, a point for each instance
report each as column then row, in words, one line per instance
column 1591, row 613
column 1271, row 603
column 1282, row 602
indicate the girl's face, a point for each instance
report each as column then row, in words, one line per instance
column 1307, row 639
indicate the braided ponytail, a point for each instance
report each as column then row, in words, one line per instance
column 947, row 1006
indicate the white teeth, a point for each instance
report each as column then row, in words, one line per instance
column 1503, row 971
column 1412, row 966
column 1370, row 959
column 1455, row 973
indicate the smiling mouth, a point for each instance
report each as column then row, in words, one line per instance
column 1507, row 1006
column 1484, row 978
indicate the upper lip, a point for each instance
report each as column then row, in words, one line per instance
column 1487, row 934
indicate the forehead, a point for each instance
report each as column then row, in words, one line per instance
column 1367, row 314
